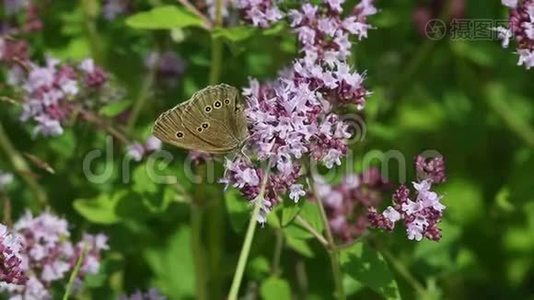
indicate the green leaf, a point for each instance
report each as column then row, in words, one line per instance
column 295, row 231
column 311, row 213
column 78, row 48
column 515, row 111
column 101, row 209
column 463, row 212
column 113, row 109
column 273, row 218
column 439, row 255
column 275, row 288
column 351, row 286
column 258, row 268
column 290, row 210
column 234, row 34
column 300, row 246
column 173, row 267
column 276, row 29
column 481, row 53
column 367, row 266
column 238, row 209
column 143, row 184
column 64, row 145
column 164, row 17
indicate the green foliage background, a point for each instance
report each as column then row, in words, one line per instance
column 465, row 98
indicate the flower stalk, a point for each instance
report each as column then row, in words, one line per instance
column 333, row 251
column 245, row 250
column 75, row 272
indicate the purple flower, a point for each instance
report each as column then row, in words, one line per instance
column 152, row 294
column 391, row 214
column 12, row 7
column 296, row 191
column 168, row 65
column 347, row 203
column 211, row 7
column 138, row 151
column 49, row 93
column 49, row 255
column 93, row 245
column 431, row 169
column 47, row 126
column 422, row 215
column 12, row 51
column 152, row 144
column 198, row 157
column 135, row 151
column 94, row 75
column 293, row 116
column 261, row 13
column 521, row 29
column 11, row 269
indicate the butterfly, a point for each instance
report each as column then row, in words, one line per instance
column 211, row 121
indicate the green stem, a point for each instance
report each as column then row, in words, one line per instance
column 243, row 257
column 333, row 251
column 198, row 251
column 404, row 272
column 275, row 267
column 207, row 23
column 517, row 125
column 93, row 118
column 216, row 47
column 245, row 250
column 90, row 12
column 302, row 222
column 21, row 167
column 142, row 97
column 215, row 213
column 6, row 208
column 75, row 272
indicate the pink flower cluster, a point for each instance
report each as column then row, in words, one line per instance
column 11, row 271
column 521, row 29
column 152, row 294
column 422, row 215
column 31, row 21
column 346, row 204
column 137, row 151
column 168, row 66
column 12, row 51
column 261, row 13
column 48, row 255
column 48, row 92
column 292, row 118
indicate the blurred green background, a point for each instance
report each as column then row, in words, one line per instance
column 466, row 99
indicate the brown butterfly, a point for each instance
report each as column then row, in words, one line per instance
column 211, row 121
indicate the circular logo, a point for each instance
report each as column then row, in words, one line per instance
column 435, row 29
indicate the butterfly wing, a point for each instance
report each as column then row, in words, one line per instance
column 211, row 121
column 223, row 105
column 239, row 121
column 170, row 128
